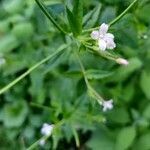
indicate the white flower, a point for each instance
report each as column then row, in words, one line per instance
column 47, row 129
column 42, row 142
column 122, row 61
column 105, row 40
column 107, row 105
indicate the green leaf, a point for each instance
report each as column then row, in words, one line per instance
column 8, row 43
column 143, row 142
column 125, row 138
column 146, row 112
column 100, row 140
column 23, row 30
column 15, row 114
column 75, row 17
column 14, row 6
column 92, row 17
column 145, row 83
column 37, row 80
column 78, row 15
column 119, row 115
column 97, row 74
column 71, row 20
column 49, row 16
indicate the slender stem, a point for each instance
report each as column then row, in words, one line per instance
column 40, row 106
column 76, row 136
column 7, row 87
column 49, row 16
column 117, row 18
column 83, row 69
column 123, row 13
column 34, row 145
column 104, row 54
column 90, row 88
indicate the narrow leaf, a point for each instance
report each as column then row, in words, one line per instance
column 78, row 15
column 71, row 20
column 93, row 18
column 49, row 16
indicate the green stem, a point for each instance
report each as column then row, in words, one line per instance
column 76, row 137
column 123, row 13
column 104, row 54
column 49, row 16
column 7, row 87
column 40, row 106
column 117, row 18
column 90, row 88
column 34, row 145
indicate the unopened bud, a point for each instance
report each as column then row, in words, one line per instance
column 122, row 61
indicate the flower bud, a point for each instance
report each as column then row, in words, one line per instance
column 122, row 61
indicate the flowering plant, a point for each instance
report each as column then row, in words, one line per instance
column 83, row 76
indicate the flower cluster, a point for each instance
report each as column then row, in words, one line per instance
column 105, row 40
column 46, row 130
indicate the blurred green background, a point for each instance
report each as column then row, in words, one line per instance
column 56, row 90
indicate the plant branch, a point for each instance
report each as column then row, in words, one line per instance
column 91, row 90
column 49, row 16
column 7, row 87
column 117, row 18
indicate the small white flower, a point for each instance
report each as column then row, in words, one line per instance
column 47, row 129
column 42, row 142
column 107, row 105
column 105, row 40
column 122, row 61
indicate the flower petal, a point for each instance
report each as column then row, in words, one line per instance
column 111, row 44
column 109, row 35
column 95, row 35
column 103, row 29
column 102, row 44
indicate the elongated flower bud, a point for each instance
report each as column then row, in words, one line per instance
column 122, row 61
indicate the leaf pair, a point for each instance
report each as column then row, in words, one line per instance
column 75, row 17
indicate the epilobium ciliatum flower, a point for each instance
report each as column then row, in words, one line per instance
column 107, row 105
column 46, row 130
column 105, row 40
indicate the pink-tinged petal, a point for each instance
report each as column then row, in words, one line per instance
column 103, row 29
column 109, row 35
column 110, row 43
column 95, row 35
column 102, row 44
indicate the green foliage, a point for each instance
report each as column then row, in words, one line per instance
column 75, row 17
column 145, row 83
column 15, row 114
column 42, row 79
column 125, row 138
